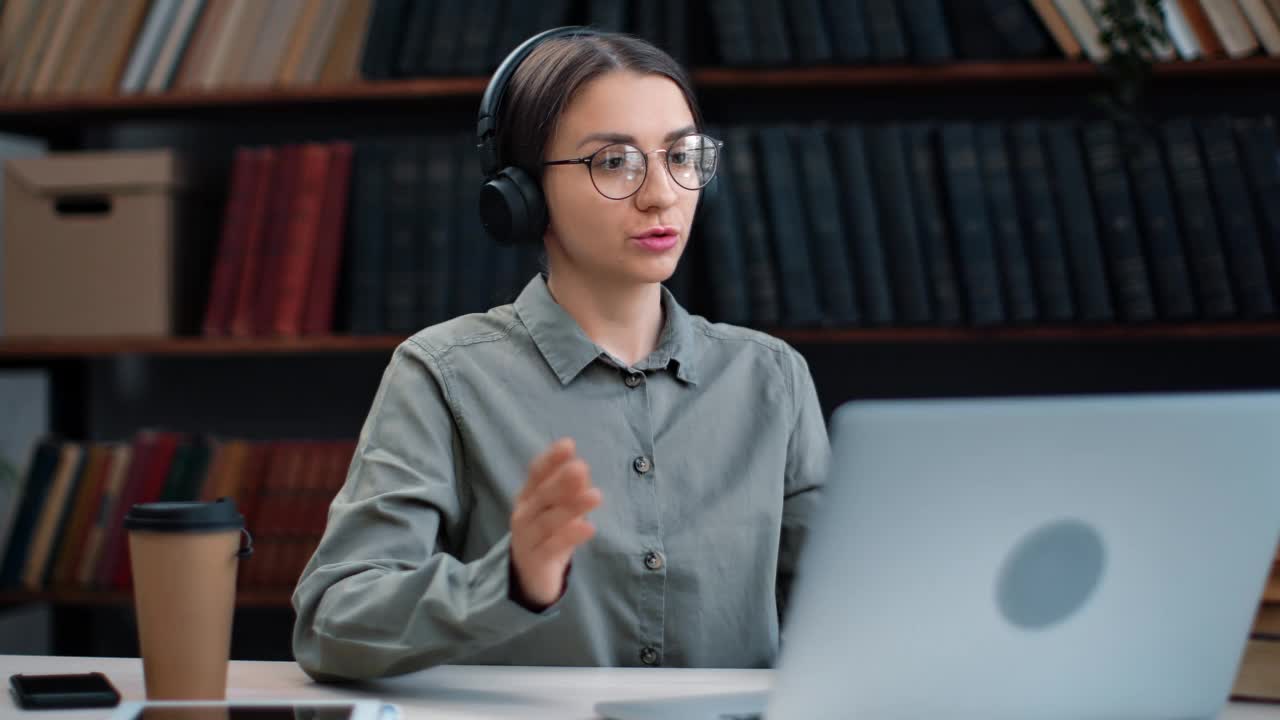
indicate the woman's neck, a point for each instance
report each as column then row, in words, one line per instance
column 626, row 320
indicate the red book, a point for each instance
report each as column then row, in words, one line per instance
column 275, row 240
column 154, row 471
column 269, row 167
column 317, row 319
column 300, row 240
column 226, row 268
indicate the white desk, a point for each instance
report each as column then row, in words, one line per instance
column 448, row 693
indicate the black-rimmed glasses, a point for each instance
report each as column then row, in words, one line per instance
column 618, row 170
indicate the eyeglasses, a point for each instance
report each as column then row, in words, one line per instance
column 618, row 170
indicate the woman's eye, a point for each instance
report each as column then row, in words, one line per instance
column 679, row 157
column 611, row 162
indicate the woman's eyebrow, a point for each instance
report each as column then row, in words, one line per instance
column 624, row 138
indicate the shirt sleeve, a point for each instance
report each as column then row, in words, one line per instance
column 382, row 595
column 808, row 454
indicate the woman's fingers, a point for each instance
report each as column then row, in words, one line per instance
column 572, row 477
column 545, row 465
column 568, row 537
column 547, row 523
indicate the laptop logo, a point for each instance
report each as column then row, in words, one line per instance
column 1050, row 574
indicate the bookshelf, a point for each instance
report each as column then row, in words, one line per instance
column 847, row 362
column 33, row 114
column 117, row 598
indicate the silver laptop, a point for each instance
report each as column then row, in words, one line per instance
column 1032, row 558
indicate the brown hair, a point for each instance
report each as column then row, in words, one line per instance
column 547, row 79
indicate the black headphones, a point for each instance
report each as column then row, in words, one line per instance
column 512, row 208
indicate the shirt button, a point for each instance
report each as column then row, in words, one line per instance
column 633, row 380
column 648, row 656
column 653, row 560
column 642, row 465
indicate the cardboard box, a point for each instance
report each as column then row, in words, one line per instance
column 96, row 244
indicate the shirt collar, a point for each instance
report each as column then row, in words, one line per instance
column 568, row 350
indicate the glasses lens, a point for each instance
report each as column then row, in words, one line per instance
column 692, row 160
column 618, row 170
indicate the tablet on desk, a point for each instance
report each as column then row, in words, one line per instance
column 258, row 710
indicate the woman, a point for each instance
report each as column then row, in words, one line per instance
column 462, row 532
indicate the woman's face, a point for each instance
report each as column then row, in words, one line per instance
column 600, row 240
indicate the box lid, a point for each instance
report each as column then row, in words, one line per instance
column 135, row 171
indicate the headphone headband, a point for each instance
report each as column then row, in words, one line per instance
column 487, row 122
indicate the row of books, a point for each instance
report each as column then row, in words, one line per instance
column 76, row 47
column 1195, row 29
column 411, row 39
column 1037, row 221
column 88, row 47
column 985, row 224
column 380, row 237
column 63, row 525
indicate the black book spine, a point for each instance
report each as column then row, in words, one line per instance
column 1119, row 225
column 417, row 37
column 769, row 30
column 972, row 226
column 367, row 280
column 894, row 193
column 647, row 21
column 719, row 224
column 733, row 32
column 818, row 181
column 862, row 226
column 1002, row 205
column 551, row 13
column 1204, row 249
column 43, row 464
column 1019, row 29
column 1239, row 227
column 927, row 28
column 478, row 36
column 608, row 15
column 1079, row 223
column 888, row 37
column 519, row 23
column 382, row 45
column 474, row 277
column 404, row 245
column 931, row 221
column 809, row 32
column 761, row 277
column 442, row 175
column 1044, row 234
column 676, row 14
column 446, row 37
column 788, row 229
column 1261, row 156
column 1169, row 273
column 974, row 37
column 847, row 20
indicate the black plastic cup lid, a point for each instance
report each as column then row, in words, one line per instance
column 220, row 514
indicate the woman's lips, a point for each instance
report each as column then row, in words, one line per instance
column 657, row 243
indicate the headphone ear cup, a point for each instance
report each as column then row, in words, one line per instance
column 512, row 208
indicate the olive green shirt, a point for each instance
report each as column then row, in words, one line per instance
column 709, row 455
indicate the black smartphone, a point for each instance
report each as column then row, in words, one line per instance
column 78, row 690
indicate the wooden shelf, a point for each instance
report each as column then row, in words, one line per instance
column 12, row 349
column 79, row 109
column 110, row 598
column 33, row 348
